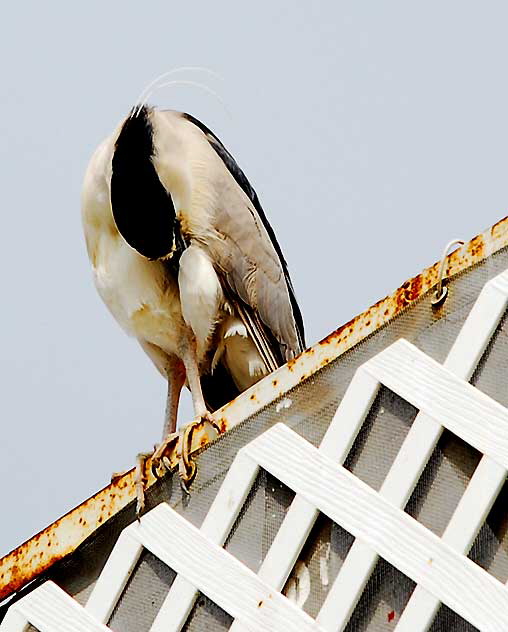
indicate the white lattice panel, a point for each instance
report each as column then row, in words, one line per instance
column 439, row 566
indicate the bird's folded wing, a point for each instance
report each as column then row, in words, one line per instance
column 245, row 252
column 245, row 257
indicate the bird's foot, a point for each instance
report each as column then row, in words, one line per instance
column 159, row 464
column 186, row 466
column 159, row 461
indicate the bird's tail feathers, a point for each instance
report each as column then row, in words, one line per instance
column 257, row 333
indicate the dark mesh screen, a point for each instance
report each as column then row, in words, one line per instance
column 443, row 482
column 384, row 598
column 449, row 621
column 143, row 595
column 207, row 616
column 380, row 438
column 259, row 520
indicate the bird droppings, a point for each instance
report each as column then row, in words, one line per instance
column 323, row 565
column 64, row 536
column 284, row 403
column 298, row 587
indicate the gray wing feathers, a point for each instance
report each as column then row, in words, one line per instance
column 243, row 253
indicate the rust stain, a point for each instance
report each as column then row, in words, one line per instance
column 62, row 537
column 406, row 294
column 498, row 229
column 291, row 363
column 476, row 247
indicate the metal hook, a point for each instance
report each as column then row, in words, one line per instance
column 441, row 290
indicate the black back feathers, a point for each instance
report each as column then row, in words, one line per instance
column 142, row 208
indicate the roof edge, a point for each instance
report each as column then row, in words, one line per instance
column 61, row 538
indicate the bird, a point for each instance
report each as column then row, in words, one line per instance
column 183, row 256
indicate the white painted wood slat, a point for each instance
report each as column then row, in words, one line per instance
column 50, row 609
column 397, row 537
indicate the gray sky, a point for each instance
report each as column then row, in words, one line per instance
column 373, row 132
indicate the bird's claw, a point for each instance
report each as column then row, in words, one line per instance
column 160, row 464
column 141, row 481
column 209, row 419
column 187, row 468
column 185, row 486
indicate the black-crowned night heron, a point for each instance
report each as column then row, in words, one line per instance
column 185, row 259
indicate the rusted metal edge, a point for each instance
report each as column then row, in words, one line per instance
column 64, row 536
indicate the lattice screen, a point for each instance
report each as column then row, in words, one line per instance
column 374, row 530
